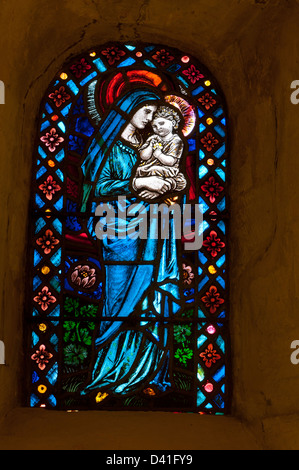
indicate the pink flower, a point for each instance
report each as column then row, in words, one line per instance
column 44, row 298
column 83, row 276
column 80, row 67
column 41, row 357
column 49, row 187
column 59, row 96
column 193, row 74
column 188, row 275
column 52, row 140
column 47, row 241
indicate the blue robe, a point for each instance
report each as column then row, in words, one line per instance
column 128, row 357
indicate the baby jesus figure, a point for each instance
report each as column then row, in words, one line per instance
column 162, row 151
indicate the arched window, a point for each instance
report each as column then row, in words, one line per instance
column 127, row 308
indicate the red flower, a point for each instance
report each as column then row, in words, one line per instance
column 112, row 54
column 49, row 187
column 213, row 244
column 210, row 356
column 80, row 67
column 83, row 276
column 209, row 141
column 47, row 241
column 52, row 140
column 193, row 74
column 59, row 96
column 207, row 101
column 212, row 189
column 163, row 57
column 212, row 299
column 41, row 357
column 44, row 298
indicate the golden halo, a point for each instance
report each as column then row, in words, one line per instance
column 186, row 110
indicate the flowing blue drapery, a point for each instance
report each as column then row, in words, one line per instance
column 140, row 274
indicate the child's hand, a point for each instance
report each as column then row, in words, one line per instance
column 155, row 141
column 157, row 152
column 157, row 146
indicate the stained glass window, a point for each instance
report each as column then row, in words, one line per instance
column 122, row 316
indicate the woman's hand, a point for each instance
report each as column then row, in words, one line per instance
column 148, row 194
column 153, row 183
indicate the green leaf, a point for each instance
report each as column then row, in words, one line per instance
column 188, row 313
column 69, row 325
column 183, row 355
column 74, row 355
column 89, row 310
column 85, row 336
column 71, row 305
column 181, row 332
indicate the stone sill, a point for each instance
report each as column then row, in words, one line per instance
column 40, row 429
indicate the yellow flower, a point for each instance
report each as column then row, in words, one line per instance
column 157, row 145
column 42, row 388
column 42, row 327
column 101, row 396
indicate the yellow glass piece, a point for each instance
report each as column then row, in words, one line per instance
column 200, row 373
column 42, row 388
column 51, row 163
column 149, row 391
column 101, row 396
column 207, row 83
column 212, row 270
column 63, row 76
column 92, row 54
column 48, row 210
column 45, row 269
column 209, row 121
column 42, row 327
column 210, row 161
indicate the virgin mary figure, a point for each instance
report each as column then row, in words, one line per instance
column 141, row 274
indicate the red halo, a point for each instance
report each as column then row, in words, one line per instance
column 111, row 89
column 187, row 111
